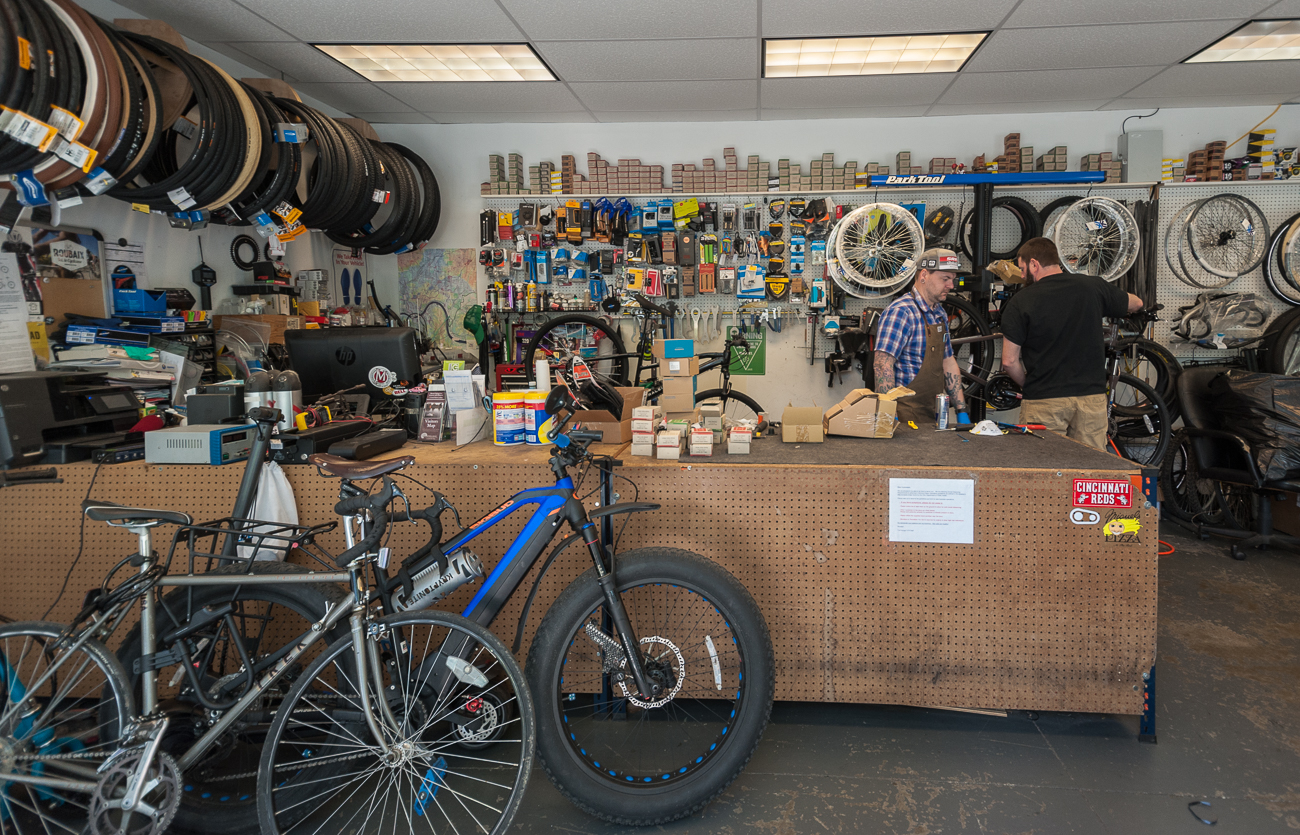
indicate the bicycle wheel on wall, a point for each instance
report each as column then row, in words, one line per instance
column 1096, row 236
column 633, row 761
column 876, row 247
column 1227, row 235
column 575, row 334
column 458, row 760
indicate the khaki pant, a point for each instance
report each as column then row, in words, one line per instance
column 1080, row 418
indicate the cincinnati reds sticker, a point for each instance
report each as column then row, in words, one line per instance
column 1107, row 494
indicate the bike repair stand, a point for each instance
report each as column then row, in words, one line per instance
column 981, row 281
column 606, row 701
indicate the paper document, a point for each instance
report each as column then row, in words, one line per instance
column 940, row 510
column 15, row 342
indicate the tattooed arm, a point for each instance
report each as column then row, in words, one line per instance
column 884, row 366
column 952, row 383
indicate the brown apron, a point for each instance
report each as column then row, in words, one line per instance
column 929, row 379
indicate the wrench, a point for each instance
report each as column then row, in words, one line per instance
column 695, row 326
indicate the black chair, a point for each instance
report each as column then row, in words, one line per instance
column 1226, row 457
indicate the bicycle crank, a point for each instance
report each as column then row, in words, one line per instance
column 158, row 802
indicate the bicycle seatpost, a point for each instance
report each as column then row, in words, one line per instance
column 265, row 419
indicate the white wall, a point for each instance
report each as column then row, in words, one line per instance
column 458, row 155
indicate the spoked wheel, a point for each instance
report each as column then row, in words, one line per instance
column 574, row 334
column 458, row 757
column 736, row 406
column 635, row 759
column 1096, row 236
column 973, row 358
column 1180, row 263
column 1228, row 235
column 62, row 724
column 1140, row 426
column 219, row 793
column 1279, row 279
column 875, row 249
column 1153, row 364
column 1184, row 492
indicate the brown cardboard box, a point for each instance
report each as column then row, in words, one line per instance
column 680, row 367
column 865, row 414
column 802, row 424
column 618, row 429
column 678, row 395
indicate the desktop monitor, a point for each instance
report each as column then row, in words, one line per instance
column 332, row 359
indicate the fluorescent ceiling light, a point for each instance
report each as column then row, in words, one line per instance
column 1259, row 40
column 889, row 55
column 440, row 62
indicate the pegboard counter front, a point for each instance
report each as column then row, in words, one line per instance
column 1034, row 612
column 1037, row 612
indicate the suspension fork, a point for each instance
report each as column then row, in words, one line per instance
column 600, row 555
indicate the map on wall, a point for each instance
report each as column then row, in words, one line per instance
column 430, row 279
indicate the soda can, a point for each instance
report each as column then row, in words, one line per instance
column 941, row 410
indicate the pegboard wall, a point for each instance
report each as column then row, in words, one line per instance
column 1278, row 200
column 1038, row 614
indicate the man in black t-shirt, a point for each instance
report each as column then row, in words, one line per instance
column 1053, row 343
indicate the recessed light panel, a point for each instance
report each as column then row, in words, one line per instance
column 1259, row 40
column 440, row 62
column 888, row 55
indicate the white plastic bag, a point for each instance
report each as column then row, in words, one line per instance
column 274, row 503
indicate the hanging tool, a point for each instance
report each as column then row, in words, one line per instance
column 695, row 328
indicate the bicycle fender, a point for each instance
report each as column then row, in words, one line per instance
column 615, row 509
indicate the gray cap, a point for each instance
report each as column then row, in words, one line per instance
column 939, row 260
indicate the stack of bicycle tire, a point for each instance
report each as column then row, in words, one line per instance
column 92, row 109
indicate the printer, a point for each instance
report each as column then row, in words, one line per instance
column 58, row 417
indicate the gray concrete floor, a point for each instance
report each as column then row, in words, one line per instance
column 1228, row 721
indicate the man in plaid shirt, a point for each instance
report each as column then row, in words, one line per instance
column 913, row 347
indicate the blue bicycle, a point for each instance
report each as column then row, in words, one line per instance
column 652, row 674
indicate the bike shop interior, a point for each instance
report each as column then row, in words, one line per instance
column 541, row 405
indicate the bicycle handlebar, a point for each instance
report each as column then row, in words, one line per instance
column 646, row 304
column 377, row 504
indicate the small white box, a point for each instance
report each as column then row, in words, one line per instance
column 648, row 425
column 647, row 413
column 668, row 444
column 647, row 450
column 701, row 442
column 737, row 448
column 711, row 415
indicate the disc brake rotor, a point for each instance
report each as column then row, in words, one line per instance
column 658, row 668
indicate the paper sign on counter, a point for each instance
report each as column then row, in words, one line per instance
column 939, row 510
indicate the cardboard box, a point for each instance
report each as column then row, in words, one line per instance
column 674, row 348
column 617, row 429
column 738, row 441
column 711, row 415
column 669, row 444
column 802, row 425
column 644, row 425
column 678, row 395
column 865, row 414
column 679, row 367
column 646, row 450
column 701, row 442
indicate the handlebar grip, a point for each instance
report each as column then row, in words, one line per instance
column 591, row 436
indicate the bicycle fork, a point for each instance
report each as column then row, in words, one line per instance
column 578, row 520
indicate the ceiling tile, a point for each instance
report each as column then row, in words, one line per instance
column 856, row 91
column 303, row 62
column 1056, row 13
column 222, row 51
column 1235, row 100
column 1131, row 45
column 677, row 116
column 1286, row 8
column 483, row 96
column 476, row 118
column 777, row 114
column 1247, row 78
column 211, row 20
column 399, row 118
column 595, row 20
column 782, row 18
column 684, row 60
column 1014, row 107
column 396, row 21
column 1044, row 85
column 353, row 96
column 700, row 95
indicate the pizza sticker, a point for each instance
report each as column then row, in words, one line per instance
column 1108, row 494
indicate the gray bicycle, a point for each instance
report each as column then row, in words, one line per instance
column 411, row 722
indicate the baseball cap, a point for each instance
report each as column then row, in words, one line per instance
column 938, row 258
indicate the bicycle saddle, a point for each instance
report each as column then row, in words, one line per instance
column 349, row 469
column 100, row 511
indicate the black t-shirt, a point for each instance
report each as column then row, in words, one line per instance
column 1057, row 322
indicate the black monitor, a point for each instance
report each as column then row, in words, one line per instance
column 332, row 359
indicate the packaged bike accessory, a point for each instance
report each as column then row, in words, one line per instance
column 487, row 227
column 708, row 278
column 686, row 249
column 776, row 207
column 776, row 229
column 668, row 240
column 688, row 281
column 798, row 206
column 749, row 218
column 527, row 215
column 727, row 281
column 728, row 218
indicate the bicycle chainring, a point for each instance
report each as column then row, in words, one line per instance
column 157, row 805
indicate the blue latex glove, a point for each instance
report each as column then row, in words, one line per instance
column 963, row 419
